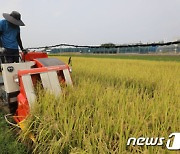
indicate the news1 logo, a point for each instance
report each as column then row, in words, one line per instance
column 175, row 143
column 171, row 144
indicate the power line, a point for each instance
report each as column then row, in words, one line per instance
column 115, row 46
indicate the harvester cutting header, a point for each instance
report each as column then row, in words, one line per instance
column 19, row 81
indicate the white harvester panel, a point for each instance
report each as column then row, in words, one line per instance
column 9, row 71
column 67, row 77
column 29, row 89
column 50, row 82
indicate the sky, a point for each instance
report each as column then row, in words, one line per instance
column 94, row 22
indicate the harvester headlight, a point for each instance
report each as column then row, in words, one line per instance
column 15, row 78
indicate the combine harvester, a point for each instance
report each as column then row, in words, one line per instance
column 19, row 81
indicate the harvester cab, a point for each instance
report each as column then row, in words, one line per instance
column 19, row 80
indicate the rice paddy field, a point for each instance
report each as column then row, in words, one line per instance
column 112, row 99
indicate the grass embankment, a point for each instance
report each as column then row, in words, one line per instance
column 112, row 100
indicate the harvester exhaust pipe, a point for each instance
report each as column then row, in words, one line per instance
column 70, row 61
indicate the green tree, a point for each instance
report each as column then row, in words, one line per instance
column 108, row 45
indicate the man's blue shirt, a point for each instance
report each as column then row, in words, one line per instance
column 9, row 35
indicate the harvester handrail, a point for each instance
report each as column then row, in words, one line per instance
column 7, row 115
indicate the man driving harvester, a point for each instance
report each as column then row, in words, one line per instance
column 10, row 37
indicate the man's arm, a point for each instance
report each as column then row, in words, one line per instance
column 19, row 41
column 0, row 39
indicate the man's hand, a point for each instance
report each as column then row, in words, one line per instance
column 25, row 51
